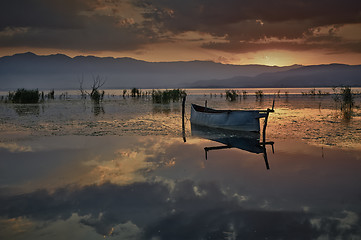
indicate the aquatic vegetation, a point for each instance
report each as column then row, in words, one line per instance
column 135, row 92
column 345, row 97
column 166, row 96
column 231, row 95
column 95, row 94
column 259, row 94
column 51, row 94
column 24, row 96
column 244, row 93
column 314, row 92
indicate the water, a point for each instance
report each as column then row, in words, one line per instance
column 70, row 169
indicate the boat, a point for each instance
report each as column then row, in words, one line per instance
column 241, row 120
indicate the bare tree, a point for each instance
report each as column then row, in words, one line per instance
column 98, row 82
column 95, row 95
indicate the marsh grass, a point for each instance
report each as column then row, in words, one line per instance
column 23, row 95
column 231, row 95
column 135, row 92
column 313, row 92
column 259, row 94
column 345, row 97
column 167, row 96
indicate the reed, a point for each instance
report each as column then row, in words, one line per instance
column 24, row 96
column 259, row 94
column 231, row 95
column 347, row 97
column 135, row 92
column 51, row 94
column 166, row 96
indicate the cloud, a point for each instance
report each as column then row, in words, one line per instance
column 78, row 25
column 14, row 147
column 189, row 210
column 210, row 16
column 43, row 14
column 244, row 23
column 235, row 26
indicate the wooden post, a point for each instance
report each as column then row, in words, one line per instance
column 265, row 125
column 265, row 156
column 183, row 124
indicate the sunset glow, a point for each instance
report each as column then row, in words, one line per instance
column 231, row 32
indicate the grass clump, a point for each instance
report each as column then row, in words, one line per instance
column 313, row 93
column 259, row 94
column 166, row 96
column 135, row 92
column 345, row 96
column 346, row 99
column 231, row 95
column 24, row 96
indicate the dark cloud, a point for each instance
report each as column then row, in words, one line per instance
column 209, row 16
column 43, row 14
column 103, row 25
column 99, row 33
column 245, row 22
column 79, row 25
column 189, row 210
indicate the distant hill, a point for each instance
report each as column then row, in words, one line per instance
column 304, row 76
column 28, row 70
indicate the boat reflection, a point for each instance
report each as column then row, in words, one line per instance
column 247, row 141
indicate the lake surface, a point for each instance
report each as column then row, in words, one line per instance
column 71, row 169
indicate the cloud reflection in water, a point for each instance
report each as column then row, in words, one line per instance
column 163, row 188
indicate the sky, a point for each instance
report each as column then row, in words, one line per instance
column 279, row 32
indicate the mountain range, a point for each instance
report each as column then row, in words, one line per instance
column 28, row 70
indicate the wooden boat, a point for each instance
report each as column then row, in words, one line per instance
column 241, row 120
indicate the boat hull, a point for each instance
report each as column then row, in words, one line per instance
column 241, row 120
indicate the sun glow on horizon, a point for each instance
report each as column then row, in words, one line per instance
column 168, row 53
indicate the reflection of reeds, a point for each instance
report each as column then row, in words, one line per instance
column 166, row 96
column 23, row 110
column 98, row 108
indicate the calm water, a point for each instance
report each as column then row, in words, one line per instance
column 70, row 169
